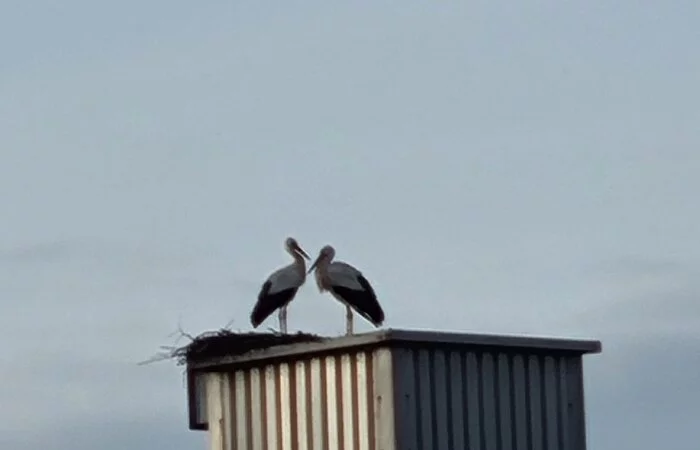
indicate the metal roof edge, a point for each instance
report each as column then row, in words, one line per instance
column 495, row 340
column 399, row 336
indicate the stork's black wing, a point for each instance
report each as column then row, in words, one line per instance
column 364, row 300
column 268, row 303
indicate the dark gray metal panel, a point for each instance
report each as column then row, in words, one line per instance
column 534, row 410
column 472, row 403
column 520, row 402
column 406, row 411
column 551, row 405
column 197, row 400
column 452, row 399
column 505, row 401
column 576, row 405
column 441, row 389
column 425, row 409
column 457, row 419
column 489, row 431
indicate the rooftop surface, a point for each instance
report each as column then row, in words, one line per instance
column 214, row 352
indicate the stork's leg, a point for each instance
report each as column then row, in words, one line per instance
column 348, row 321
column 283, row 319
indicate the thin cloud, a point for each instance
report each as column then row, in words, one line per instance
column 641, row 296
column 49, row 251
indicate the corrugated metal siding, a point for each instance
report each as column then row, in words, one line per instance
column 322, row 403
column 401, row 398
column 448, row 400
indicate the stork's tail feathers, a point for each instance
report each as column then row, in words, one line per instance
column 259, row 314
column 380, row 318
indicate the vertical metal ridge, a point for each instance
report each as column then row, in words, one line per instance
column 354, row 401
column 512, row 402
column 504, row 393
column 425, row 392
column 240, row 408
column 318, row 399
column 536, row 415
column 441, row 416
column 385, row 412
column 309, row 406
column 215, row 413
column 362, row 407
column 489, row 378
column 577, row 422
column 248, row 409
column 299, row 407
column 473, row 403
column 497, row 400
column 417, row 394
column 271, row 406
column 406, row 415
column 226, row 407
column 338, row 375
column 293, row 408
column 564, row 404
column 263, row 408
column 325, row 429
column 332, row 437
column 482, row 413
column 369, row 367
column 520, row 394
column 457, row 401
column 232, row 407
column 278, row 407
column 559, row 405
column 543, row 402
column 433, row 400
column 551, row 402
column 466, row 431
column 528, row 403
column 255, row 409
column 448, row 400
column 348, row 421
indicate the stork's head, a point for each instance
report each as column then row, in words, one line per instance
column 293, row 247
column 327, row 253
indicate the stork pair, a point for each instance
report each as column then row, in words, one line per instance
column 343, row 281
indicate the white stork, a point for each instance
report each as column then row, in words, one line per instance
column 281, row 287
column 347, row 285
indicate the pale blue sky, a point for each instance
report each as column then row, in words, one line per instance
column 529, row 167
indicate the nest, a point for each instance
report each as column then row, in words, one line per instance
column 217, row 344
column 228, row 343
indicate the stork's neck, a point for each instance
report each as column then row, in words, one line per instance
column 321, row 274
column 299, row 264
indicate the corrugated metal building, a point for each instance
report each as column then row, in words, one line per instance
column 396, row 390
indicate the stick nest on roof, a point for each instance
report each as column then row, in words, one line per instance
column 224, row 342
column 228, row 343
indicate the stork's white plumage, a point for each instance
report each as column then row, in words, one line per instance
column 280, row 288
column 349, row 286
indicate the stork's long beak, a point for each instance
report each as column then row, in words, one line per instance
column 302, row 253
column 313, row 266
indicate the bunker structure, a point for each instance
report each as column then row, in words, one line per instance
column 393, row 390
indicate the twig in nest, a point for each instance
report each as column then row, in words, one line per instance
column 170, row 350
